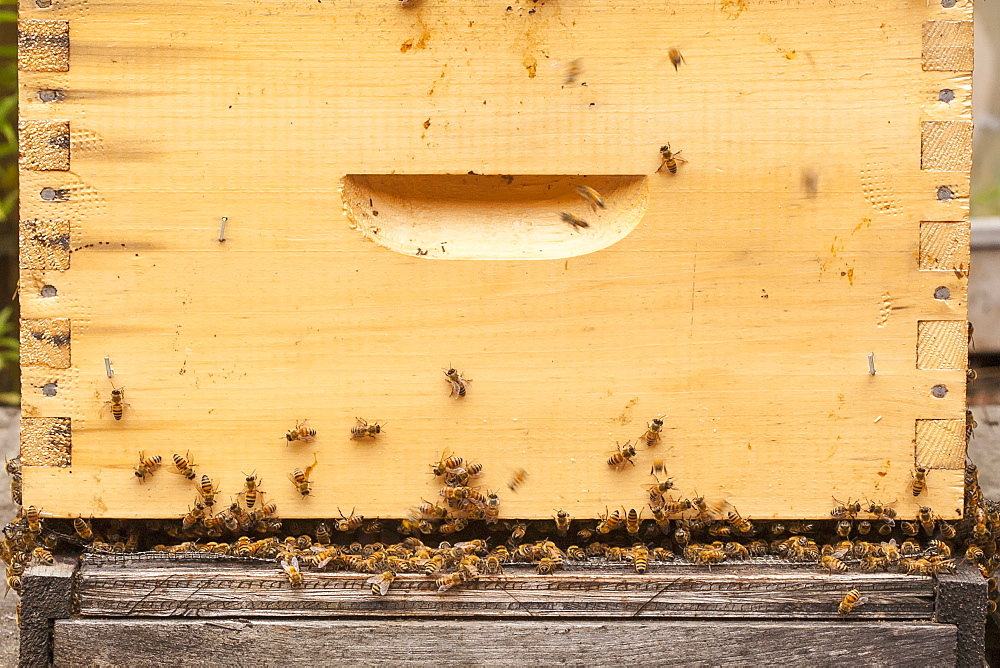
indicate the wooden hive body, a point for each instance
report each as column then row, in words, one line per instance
column 393, row 176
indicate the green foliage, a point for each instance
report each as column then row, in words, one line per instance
column 9, row 314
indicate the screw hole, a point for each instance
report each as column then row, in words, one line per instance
column 939, row 391
column 942, row 293
column 945, row 193
column 43, row 4
column 946, row 95
column 948, row 4
column 50, row 389
column 48, row 194
column 49, row 291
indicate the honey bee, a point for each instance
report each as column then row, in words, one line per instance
column 975, row 554
column 364, row 430
column 927, row 519
column 939, row 548
column 833, row 561
column 609, row 522
column 652, row 434
column 184, row 466
column 640, row 558
column 492, row 565
column 669, row 159
column 656, row 491
column 563, row 520
column 970, row 423
column 192, row 517
column 843, row 528
column 740, row 524
column 458, row 383
column 625, row 454
column 632, row 522
column 447, row 582
column 591, row 196
column 301, row 480
column 676, row 507
column 576, row 553
column 658, row 468
column 846, row 511
column 82, row 529
column 293, row 572
column 882, row 510
column 147, row 466
column 919, row 482
column 947, row 529
column 575, row 221
column 13, row 582
column 117, row 403
column 32, row 519
column 348, row 523
column 517, row 534
column 207, row 491
column 517, row 479
column 492, row 508
column 446, row 464
column 453, row 525
column 381, row 583
column 547, row 566
column 43, row 556
column 301, row 433
column 675, row 57
column 864, row 527
column 251, row 490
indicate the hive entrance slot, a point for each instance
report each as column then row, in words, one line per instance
column 492, row 217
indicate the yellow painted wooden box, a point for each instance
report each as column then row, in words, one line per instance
column 393, row 179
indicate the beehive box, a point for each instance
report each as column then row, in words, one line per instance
column 392, row 177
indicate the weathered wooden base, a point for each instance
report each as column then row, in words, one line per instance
column 138, row 609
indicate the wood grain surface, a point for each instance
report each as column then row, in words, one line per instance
column 742, row 306
column 102, row 642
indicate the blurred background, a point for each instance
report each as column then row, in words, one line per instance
column 984, row 286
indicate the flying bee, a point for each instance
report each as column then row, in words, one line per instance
column 293, row 572
column 575, row 221
column 380, row 583
column 458, row 383
column 117, row 403
column 850, row 601
column 517, row 479
column 573, row 71
column 301, row 480
column 147, row 466
column 301, row 433
column 563, row 520
column 82, row 529
column 669, row 159
column 591, row 196
column 208, row 491
column 192, row 517
column 364, row 430
column 658, row 468
column 251, row 490
column 675, row 57
column 624, row 455
column 652, row 435
column 184, row 466
column 919, row 482
column 633, row 520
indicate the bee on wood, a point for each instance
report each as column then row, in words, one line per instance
column 301, row 480
column 43, row 556
column 351, row 523
column 563, row 521
column 381, row 583
column 517, row 479
column 591, row 196
column 677, row 507
column 833, row 561
column 13, row 582
column 445, row 464
column 82, row 529
column 669, row 159
column 251, row 490
column 633, row 520
column 970, row 425
column 575, row 221
column 448, row 581
column 33, row 520
column 117, row 403
column 183, row 466
column 927, row 519
column 975, row 554
column 640, row 558
column 576, row 553
column 147, row 466
column 675, row 57
column 364, row 430
column 948, row 530
column 624, row 455
column 547, row 566
column 459, row 385
column 207, row 490
column 453, row 525
column 939, row 547
column 652, row 435
column 492, row 509
column 293, row 572
column 193, row 517
column 846, row 511
column 609, row 522
column 883, row 511
column 740, row 524
column 492, row 565
column 919, row 482
column 851, row 600
column 301, row 433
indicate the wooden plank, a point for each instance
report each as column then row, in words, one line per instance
column 961, row 600
column 940, row 444
column 46, row 594
column 944, row 246
column 147, row 642
column 742, row 303
column 43, row 145
column 156, row 586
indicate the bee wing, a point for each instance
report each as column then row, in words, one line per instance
column 286, row 567
column 840, row 554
